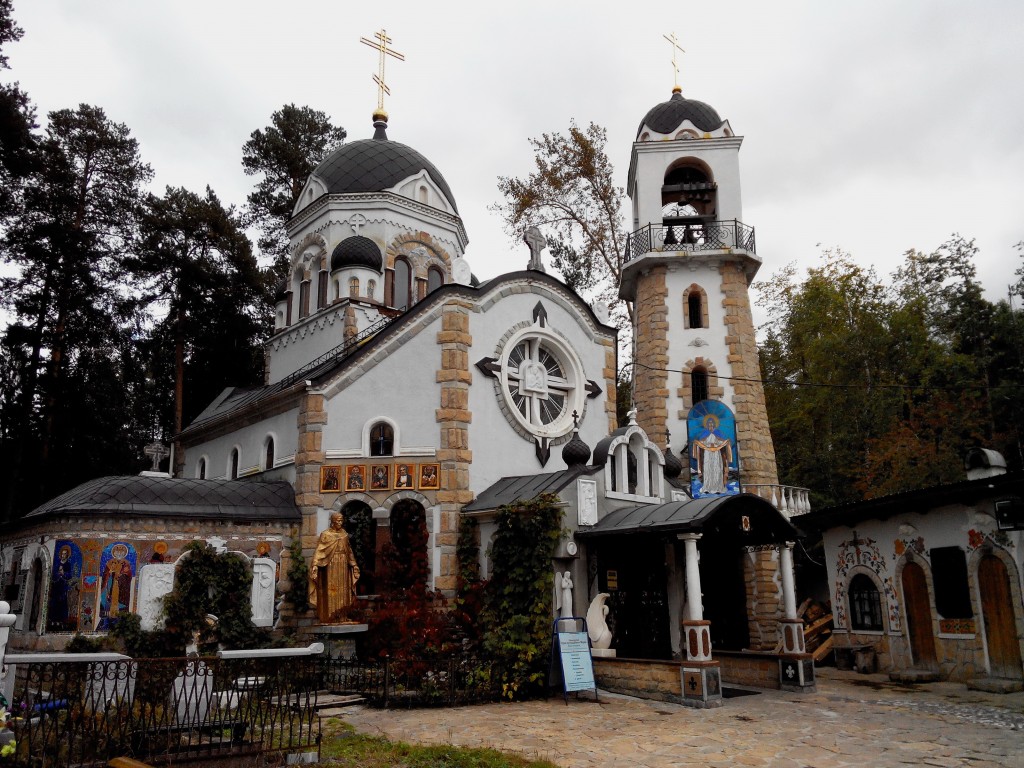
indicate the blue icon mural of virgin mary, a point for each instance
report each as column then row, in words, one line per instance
column 714, row 460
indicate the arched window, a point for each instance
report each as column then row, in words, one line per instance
column 233, row 465
column 699, row 385
column 304, row 299
column 321, row 289
column 865, row 604
column 201, row 469
column 269, row 456
column 362, row 534
column 402, row 288
column 382, row 439
column 694, row 309
column 353, row 287
column 435, row 279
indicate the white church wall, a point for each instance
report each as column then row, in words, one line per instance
column 401, row 386
column 498, row 448
column 250, row 441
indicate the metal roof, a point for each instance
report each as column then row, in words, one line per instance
column 711, row 515
column 373, row 165
column 669, row 115
column 524, row 488
column 140, row 496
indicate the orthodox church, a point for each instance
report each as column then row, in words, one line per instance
column 402, row 391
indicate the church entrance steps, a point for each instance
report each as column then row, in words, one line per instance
column 995, row 685
column 325, row 701
column 914, row 676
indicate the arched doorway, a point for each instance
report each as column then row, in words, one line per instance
column 919, row 616
column 1000, row 619
column 404, row 558
column 362, row 535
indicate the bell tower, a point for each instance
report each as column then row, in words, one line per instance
column 690, row 260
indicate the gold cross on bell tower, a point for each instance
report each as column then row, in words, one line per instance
column 675, row 67
column 382, row 87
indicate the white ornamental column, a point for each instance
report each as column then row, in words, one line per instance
column 790, row 627
column 701, row 678
column 697, row 631
column 788, row 588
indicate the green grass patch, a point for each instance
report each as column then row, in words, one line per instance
column 343, row 746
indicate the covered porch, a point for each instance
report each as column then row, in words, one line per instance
column 688, row 579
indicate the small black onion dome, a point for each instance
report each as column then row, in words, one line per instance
column 673, row 466
column 281, row 291
column 575, row 452
column 357, row 251
column 669, row 115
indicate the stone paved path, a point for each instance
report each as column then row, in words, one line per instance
column 852, row 720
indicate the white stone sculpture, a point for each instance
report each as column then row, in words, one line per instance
column 587, row 501
column 263, row 572
column 597, row 627
column 563, row 583
column 155, row 581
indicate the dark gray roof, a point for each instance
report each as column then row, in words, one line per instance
column 601, row 449
column 669, row 115
column 524, row 488
column 138, row 496
column 357, row 251
column 921, row 501
column 373, row 165
column 714, row 515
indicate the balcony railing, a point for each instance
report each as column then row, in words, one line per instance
column 788, row 499
column 695, row 236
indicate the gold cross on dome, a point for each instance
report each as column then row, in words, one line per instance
column 675, row 47
column 382, row 47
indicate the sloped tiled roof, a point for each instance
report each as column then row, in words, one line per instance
column 140, row 496
column 524, row 488
column 669, row 115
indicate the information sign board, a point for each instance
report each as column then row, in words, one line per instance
column 577, row 666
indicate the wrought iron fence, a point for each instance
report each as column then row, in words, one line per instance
column 704, row 236
column 415, row 682
column 86, row 712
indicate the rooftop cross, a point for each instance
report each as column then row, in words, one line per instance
column 157, row 452
column 382, row 47
column 675, row 67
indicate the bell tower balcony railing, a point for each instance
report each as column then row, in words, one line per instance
column 696, row 236
column 790, row 500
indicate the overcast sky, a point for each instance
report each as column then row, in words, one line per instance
column 871, row 126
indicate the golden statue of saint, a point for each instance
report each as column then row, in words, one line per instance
column 333, row 573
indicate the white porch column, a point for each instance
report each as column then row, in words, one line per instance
column 788, row 582
column 693, row 597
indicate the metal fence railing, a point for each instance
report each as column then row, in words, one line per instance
column 82, row 712
column 415, row 682
column 688, row 238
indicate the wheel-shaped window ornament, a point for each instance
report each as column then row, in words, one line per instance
column 540, row 380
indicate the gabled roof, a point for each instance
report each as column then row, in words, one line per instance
column 140, row 496
column 234, row 400
column 524, row 488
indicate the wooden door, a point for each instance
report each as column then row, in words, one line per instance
column 919, row 616
column 1000, row 622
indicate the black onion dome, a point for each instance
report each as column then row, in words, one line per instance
column 669, row 115
column 373, row 165
column 673, row 466
column 357, row 251
column 575, row 452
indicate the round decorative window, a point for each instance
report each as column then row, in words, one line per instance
column 540, row 380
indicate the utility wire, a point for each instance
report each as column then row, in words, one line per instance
column 787, row 383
